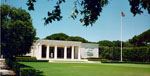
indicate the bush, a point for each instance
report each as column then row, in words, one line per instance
column 94, row 59
column 13, row 65
column 140, row 54
column 27, row 72
column 136, row 54
column 29, row 59
column 9, row 62
column 22, row 59
column 16, row 67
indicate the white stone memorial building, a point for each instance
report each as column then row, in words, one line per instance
column 63, row 50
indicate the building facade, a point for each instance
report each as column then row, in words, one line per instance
column 63, row 50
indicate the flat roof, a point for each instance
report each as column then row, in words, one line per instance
column 59, row 41
column 67, row 41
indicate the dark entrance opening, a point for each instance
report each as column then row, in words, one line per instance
column 69, row 52
column 60, row 52
column 43, row 51
column 51, row 52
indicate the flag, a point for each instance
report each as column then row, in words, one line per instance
column 122, row 14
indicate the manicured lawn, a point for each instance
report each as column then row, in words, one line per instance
column 90, row 69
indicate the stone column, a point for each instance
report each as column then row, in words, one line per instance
column 79, row 56
column 47, row 52
column 55, row 52
column 40, row 51
column 72, row 53
column 65, row 52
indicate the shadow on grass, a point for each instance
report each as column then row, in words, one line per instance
column 25, row 70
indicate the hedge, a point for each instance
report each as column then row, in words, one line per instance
column 29, row 59
column 26, row 59
column 94, row 59
column 22, row 70
column 129, row 53
column 27, row 72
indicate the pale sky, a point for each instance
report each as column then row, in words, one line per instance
column 107, row 26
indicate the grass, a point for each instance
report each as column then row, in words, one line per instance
column 90, row 69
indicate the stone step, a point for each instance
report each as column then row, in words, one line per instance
column 4, row 69
column 7, row 72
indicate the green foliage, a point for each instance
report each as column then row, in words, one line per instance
column 136, row 54
column 76, row 38
column 29, row 59
column 105, row 43
column 26, row 59
column 94, row 59
column 17, row 31
column 62, row 36
column 141, row 40
column 89, row 9
column 57, row 36
column 129, row 53
column 13, row 65
column 116, row 43
column 30, row 4
column 27, row 72
column 21, row 69
column 36, row 38
column 137, row 5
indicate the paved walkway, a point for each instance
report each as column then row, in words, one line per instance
column 4, row 69
column 64, row 61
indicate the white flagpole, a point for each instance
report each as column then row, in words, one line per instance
column 121, row 40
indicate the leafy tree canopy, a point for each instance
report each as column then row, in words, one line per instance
column 76, row 38
column 116, row 43
column 62, row 36
column 105, row 43
column 137, row 5
column 141, row 40
column 57, row 36
column 17, row 31
column 89, row 9
column 36, row 38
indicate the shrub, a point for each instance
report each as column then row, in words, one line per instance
column 22, row 59
column 94, row 59
column 141, row 54
column 29, row 59
column 27, row 72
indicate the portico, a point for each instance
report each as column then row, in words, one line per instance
column 63, row 50
column 59, row 52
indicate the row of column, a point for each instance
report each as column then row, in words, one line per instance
column 55, row 52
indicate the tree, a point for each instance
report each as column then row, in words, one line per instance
column 137, row 5
column 17, row 31
column 141, row 40
column 145, row 37
column 36, row 38
column 77, row 38
column 57, row 36
column 89, row 9
column 117, row 43
column 62, row 36
column 105, row 43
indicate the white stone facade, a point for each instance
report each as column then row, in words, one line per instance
column 63, row 50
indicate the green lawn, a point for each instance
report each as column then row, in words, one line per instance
column 90, row 69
